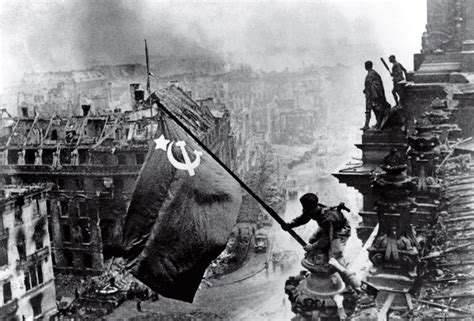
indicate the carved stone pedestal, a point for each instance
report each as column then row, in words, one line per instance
column 321, row 293
column 423, row 157
column 376, row 144
column 394, row 252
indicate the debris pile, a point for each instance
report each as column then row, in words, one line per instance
column 120, row 277
column 233, row 256
column 449, row 275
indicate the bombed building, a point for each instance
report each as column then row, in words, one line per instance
column 88, row 134
column 105, row 88
column 92, row 162
column 26, row 269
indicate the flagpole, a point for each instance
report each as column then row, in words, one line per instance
column 267, row 208
column 147, row 70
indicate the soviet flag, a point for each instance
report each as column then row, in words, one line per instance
column 182, row 212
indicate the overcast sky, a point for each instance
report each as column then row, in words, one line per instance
column 47, row 35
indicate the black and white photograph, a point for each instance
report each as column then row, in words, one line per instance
column 242, row 160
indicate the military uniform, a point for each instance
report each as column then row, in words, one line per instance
column 328, row 220
column 397, row 75
column 374, row 98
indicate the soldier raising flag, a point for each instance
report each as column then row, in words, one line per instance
column 185, row 203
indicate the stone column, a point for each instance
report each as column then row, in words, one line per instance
column 320, row 291
column 424, row 155
column 446, row 27
column 442, row 119
column 468, row 44
column 394, row 252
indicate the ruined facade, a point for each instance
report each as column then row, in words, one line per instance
column 415, row 180
column 276, row 102
column 93, row 162
column 27, row 288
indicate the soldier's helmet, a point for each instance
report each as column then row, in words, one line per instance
column 309, row 201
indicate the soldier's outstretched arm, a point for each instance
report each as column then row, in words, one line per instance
column 300, row 220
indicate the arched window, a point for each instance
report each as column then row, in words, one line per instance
column 85, row 233
column 87, row 261
column 122, row 159
column 20, row 245
column 69, row 258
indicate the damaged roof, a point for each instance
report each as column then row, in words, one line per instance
column 54, row 131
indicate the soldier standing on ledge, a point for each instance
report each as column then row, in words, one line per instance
column 374, row 97
column 399, row 73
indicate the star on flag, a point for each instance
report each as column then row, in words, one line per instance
column 161, row 143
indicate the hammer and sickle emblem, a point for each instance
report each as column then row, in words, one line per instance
column 187, row 165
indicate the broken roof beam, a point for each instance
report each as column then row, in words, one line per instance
column 110, row 132
column 64, row 131
column 4, row 111
column 46, row 134
column 442, row 306
column 456, row 263
column 12, row 133
column 102, row 133
column 85, row 120
column 451, row 295
column 35, row 121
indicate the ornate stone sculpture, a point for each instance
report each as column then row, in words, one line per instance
column 446, row 27
column 322, row 292
column 424, row 155
column 395, row 246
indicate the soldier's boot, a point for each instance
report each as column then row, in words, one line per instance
column 348, row 277
column 395, row 97
column 378, row 118
column 339, row 299
column 367, row 120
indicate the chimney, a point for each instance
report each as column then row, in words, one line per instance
column 139, row 95
column 109, row 91
column 85, row 109
column 136, row 94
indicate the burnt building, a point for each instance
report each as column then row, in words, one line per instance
column 105, row 88
column 27, row 289
column 61, row 92
column 93, row 162
column 292, row 124
column 274, row 99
